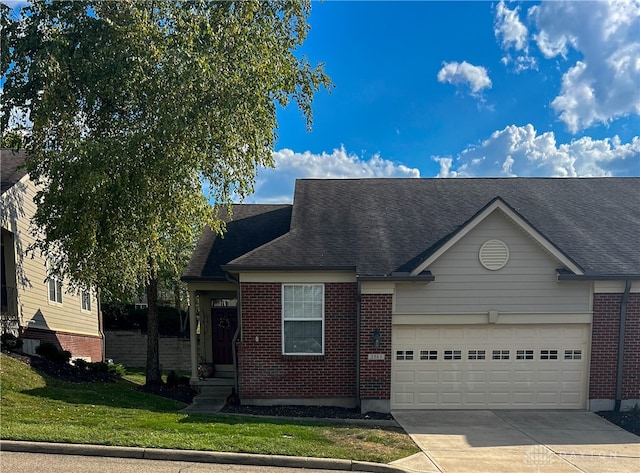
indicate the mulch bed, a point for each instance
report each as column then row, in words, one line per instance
column 322, row 412
column 627, row 420
column 64, row 372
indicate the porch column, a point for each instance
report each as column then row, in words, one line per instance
column 193, row 336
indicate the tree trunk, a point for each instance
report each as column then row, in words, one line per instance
column 153, row 351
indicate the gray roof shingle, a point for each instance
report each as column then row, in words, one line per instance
column 11, row 167
column 250, row 226
column 380, row 226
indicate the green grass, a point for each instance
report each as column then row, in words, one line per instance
column 139, row 376
column 38, row 408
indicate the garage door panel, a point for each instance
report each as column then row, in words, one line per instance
column 405, row 376
column 427, row 376
column 490, row 366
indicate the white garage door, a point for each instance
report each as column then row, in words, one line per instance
column 489, row 366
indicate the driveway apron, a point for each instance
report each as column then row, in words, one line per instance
column 518, row 441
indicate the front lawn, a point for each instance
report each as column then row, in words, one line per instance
column 39, row 408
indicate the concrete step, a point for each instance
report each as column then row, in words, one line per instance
column 214, row 392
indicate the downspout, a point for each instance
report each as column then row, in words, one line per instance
column 234, row 353
column 623, row 322
column 358, row 310
column 103, row 342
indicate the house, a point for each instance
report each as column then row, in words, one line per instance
column 35, row 306
column 517, row 293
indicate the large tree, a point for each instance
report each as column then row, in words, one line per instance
column 133, row 105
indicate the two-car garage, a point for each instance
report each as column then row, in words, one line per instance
column 490, row 366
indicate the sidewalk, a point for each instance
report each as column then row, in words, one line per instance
column 197, row 456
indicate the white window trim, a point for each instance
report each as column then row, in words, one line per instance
column 58, row 284
column 82, row 292
column 300, row 319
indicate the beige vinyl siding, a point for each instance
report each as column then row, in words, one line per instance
column 528, row 282
column 35, row 309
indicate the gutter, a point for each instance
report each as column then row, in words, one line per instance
column 623, row 323
column 236, row 282
column 240, row 267
column 564, row 275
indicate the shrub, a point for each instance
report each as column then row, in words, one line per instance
column 81, row 364
column 9, row 341
column 111, row 368
column 173, row 380
column 49, row 351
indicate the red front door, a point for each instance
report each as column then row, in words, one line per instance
column 224, row 324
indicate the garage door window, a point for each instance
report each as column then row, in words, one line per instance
column 476, row 355
column 548, row 354
column 453, row 354
column 428, row 355
column 404, row 355
column 573, row 354
column 524, row 355
column 500, row 355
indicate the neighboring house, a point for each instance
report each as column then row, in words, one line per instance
column 34, row 305
column 428, row 294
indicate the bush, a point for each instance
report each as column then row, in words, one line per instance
column 49, row 351
column 81, row 364
column 8, row 341
column 111, row 368
column 173, row 380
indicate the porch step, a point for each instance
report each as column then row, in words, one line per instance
column 213, row 395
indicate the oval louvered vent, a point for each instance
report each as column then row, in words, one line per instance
column 494, row 254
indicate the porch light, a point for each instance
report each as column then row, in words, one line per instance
column 377, row 336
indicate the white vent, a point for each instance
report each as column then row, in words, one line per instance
column 494, row 254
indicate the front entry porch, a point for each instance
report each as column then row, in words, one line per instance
column 213, row 313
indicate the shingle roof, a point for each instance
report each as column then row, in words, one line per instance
column 251, row 226
column 380, row 226
column 11, row 167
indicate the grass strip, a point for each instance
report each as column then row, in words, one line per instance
column 36, row 407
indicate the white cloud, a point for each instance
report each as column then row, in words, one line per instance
column 276, row 185
column 509, row 28
column 513, row 35
column 521, row 151
column 465, row 74
column 604, row 84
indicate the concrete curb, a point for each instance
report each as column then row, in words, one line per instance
column 196, row 456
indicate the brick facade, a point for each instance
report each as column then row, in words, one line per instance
column 265, row 373
column 375, row 375
column 604, row 347
column 85, row 346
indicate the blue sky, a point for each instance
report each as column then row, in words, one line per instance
column 465, row 89
column 460, row 89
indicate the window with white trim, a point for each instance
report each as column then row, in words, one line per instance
column 303, row 319
column 55, row 289
column 85, row 300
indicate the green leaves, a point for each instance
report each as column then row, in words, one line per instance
column 134, row 104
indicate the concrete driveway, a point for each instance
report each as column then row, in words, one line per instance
column 518, row 441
